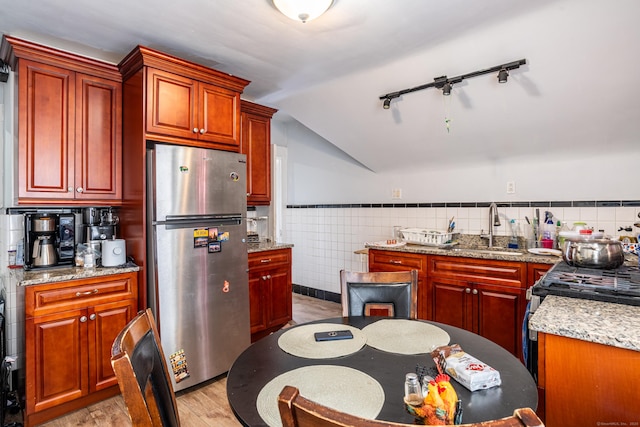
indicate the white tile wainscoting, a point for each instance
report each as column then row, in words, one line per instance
column 325, row 237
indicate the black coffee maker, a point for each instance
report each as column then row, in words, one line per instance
column 49, row 240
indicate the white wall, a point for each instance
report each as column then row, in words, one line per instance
column 321, row 173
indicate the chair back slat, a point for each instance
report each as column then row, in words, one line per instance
column 389, row 293
column 297, row 411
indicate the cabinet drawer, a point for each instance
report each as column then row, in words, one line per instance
column 269, row 258
column 393, row 260
column 73, row 294
column 504, row 273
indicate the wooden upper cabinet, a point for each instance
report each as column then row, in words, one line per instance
column 171, row 104
column 256, row 144
column 98, row 142
column 69, row 125
column 187, row 103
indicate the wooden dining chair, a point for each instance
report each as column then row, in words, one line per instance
column 138, row 361
column 389, row 293
column 297, row 411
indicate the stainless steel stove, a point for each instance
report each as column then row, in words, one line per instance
column 620, row 285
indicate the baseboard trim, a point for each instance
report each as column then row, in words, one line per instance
column 317, row 293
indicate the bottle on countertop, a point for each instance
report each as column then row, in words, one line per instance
column 562, row 232
column 515, row 232
column 412, row 390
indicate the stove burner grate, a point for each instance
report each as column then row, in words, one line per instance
column 618, row 285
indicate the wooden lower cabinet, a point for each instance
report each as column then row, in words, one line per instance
column 486, row 297
column 69, row 329
column 381, row 260
column 270, row 288
column 586, row 383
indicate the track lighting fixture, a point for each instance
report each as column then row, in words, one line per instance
column 503, row 74
column 445, row 83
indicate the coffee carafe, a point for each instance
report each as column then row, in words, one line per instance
column 44, row 251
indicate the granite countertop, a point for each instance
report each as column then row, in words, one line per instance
column 38, row 277
column 520, row 255
column 594, row 321
column 267, row 246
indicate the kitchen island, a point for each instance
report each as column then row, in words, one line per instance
column 588, row 361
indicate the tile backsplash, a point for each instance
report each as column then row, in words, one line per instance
column 325, row 237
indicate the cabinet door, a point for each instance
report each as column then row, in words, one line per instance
column 256, row 145
column 500, row 316
column 451, row 303
column 56, row 359
column 46, row 131
column 171, row 104
column 98, row 141
column 257, row 301
column 105, row 322
column 219, row 115
column 280, row 295
column 535, row 271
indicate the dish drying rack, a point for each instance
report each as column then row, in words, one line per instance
column 419, row 236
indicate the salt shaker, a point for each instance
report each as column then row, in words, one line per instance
column 412, row 390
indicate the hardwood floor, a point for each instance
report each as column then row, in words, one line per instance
column 204, row 405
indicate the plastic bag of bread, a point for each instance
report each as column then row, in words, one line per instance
column 464, row 368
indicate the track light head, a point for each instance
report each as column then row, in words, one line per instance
column 387, row 103
column 446, row 89
column 503, row 74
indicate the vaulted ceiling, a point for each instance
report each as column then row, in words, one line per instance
column 576, row 93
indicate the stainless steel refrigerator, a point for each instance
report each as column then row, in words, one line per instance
column 198, row 282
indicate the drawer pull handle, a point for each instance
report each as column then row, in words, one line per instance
column 393, row 261
column 84, row 294
column 265, row 260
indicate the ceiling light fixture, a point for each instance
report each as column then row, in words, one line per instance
column 302, row 10
column 387, row 103
column 503, row 74
column 445, row 83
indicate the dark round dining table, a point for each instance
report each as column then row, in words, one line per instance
column 264, row 360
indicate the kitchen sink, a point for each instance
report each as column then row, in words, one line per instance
column 490, row 251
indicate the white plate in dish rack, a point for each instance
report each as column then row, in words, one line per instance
column 545, row 251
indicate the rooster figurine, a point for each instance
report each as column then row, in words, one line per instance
column 448, row 396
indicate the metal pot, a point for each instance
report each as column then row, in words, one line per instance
column 593, row 253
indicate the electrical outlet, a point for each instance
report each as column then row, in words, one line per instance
column 396, row 193
column 511, row 187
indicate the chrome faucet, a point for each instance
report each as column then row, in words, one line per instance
column 494, row 220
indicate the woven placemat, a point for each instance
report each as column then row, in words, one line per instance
column 299, row 341
column 404, row 336
column 345, row 389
